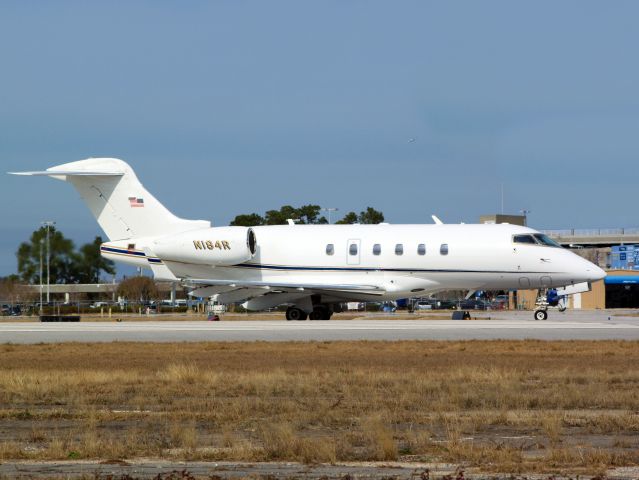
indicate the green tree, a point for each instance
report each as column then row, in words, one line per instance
column 306, row 214
column 248, row 220
column 370, row 215
column 310, row 214
column 303, row 214
column 65, row 264
column 90, row 263
column 279, row 217
column 62, row 258
column 349, row 218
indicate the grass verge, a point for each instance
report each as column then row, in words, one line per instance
column 516, row 406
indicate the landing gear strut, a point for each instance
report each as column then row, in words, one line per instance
column 294, row 313
column 545, row 300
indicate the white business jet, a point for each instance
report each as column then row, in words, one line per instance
column 313, row 268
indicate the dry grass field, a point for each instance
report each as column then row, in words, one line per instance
column 510, row 406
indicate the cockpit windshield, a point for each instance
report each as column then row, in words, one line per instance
column 524, row 239
column 545, row 240
column 535, row 239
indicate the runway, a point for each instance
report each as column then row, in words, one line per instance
column 577, row 326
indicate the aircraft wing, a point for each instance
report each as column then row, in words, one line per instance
column 260, row 295
column 270, row 293
column 300, row 287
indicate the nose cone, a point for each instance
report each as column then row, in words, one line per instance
column 590, row 271
column 596, row 273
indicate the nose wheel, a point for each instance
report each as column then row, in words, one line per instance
column 548, row 298
column 541, row 314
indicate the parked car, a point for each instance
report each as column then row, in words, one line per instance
column 423, row 305
column 388, row 307
column 12, row 310
column 474, row 304
column 500, row 302
column 446, row 305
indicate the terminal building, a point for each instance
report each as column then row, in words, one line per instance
column 614, row 250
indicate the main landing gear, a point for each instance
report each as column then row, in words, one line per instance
column 294, row 313
column 320, row 312
column 548, row 298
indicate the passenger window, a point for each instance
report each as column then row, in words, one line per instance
column 421, row 249
column 524, row 239
column 377, row 249
column 352, row 250
column 330, row 249
column 399, row 249
column 444, row 249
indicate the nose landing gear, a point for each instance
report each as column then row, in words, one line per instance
column 548, row 298
column 541, row 314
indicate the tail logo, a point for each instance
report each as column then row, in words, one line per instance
column 136, row 202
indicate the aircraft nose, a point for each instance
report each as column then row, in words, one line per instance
column 596, row 273
column 592, row 272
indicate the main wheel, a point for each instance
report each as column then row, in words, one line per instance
column 294, row 313
column 320, row 313
column 541, row 314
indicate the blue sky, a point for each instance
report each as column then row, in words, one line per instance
column 234, row 107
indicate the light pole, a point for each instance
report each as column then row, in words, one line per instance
column 48, row 224
column 41, row 242
column 330, row 210
column 525, row 213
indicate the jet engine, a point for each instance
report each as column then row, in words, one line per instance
column 218, row 246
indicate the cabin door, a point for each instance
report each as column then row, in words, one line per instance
column 353, row 251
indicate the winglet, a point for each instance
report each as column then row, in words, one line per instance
column 436, row 220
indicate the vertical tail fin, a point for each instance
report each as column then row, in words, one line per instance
column 121, row 205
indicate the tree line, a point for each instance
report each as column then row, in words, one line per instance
column 306, row 214
column 66, row 263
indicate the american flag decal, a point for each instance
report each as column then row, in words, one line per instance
column 136, row 202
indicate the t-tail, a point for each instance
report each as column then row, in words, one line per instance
column 119, row 202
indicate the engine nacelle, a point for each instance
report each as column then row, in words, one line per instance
column 211, row 246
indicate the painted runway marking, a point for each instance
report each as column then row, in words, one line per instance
column 576, row 327
column 316, row 325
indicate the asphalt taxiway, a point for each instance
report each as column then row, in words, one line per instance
column 513, row 326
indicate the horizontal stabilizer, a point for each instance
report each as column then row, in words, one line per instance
column 69, row 173
column 119, row 202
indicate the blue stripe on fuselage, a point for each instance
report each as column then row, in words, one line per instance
column 131, row 253
column 139, row 254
